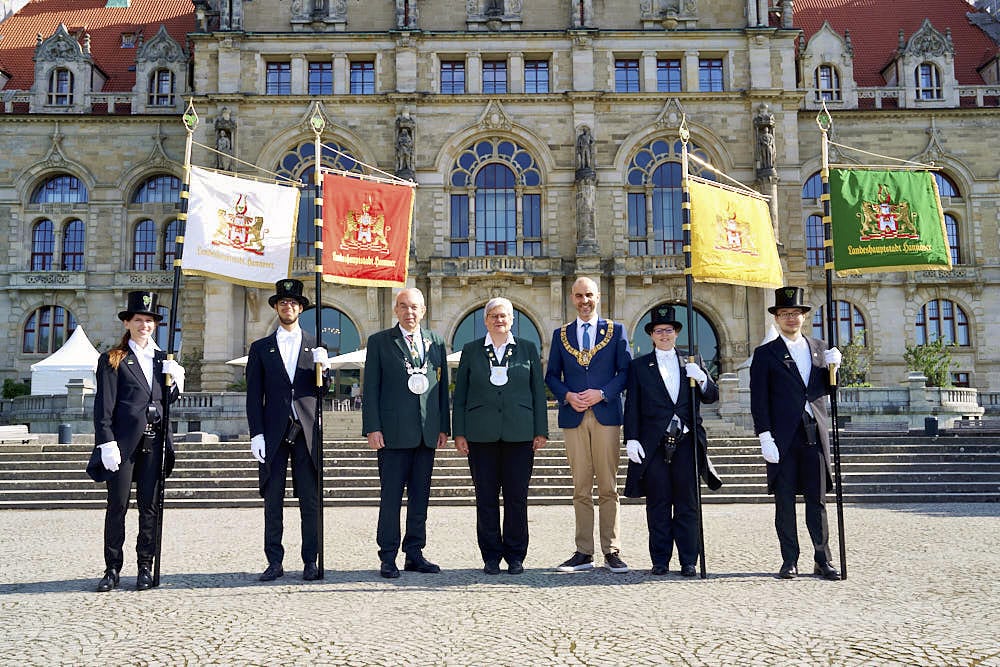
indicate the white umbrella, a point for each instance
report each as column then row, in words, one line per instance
column 454, row 358
column 239, row 361
column 354, row 359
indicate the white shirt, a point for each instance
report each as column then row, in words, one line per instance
column 289, row 344
column 145, row 357
column 592, row 332
column 802, row 355
column 666, row 363
column 499, row 351
column 418, row 341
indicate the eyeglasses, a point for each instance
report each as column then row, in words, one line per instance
column 288, row 302
column 663, row 331
column 790, row 315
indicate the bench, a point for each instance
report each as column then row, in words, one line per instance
column 987, row 425
column 16, row 433
column 893, row 427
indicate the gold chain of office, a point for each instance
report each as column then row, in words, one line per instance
column 583, row 357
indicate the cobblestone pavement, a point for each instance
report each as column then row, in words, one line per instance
column 921, row 590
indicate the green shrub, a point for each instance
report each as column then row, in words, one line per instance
column 933, row 360
column 13, row 388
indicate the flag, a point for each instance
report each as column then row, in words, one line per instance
column 366, row 231
column 239, row 230
column 732, row 240
column 886, row 221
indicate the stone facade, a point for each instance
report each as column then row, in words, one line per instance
column 584, row 218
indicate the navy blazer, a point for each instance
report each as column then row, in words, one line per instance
column 270, row 395
column 607, row 370
column 778, row 397
column 120, row 404
column 649, row 409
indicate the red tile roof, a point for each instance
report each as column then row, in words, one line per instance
column 875, row 25
column 105, row 27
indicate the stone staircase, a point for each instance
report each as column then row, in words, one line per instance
column 894, row 469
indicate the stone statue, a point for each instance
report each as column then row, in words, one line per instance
column 224, row 128
column 404, row 145
column 493, row 8
column 585, row 150
column 765, row 152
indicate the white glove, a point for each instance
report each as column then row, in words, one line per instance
column 111, row 457
column 176, row 372
column 833, row 357
column 320, row 356
column 768, row 447
column 257, row 447
column 694, row 371
column 635, row 451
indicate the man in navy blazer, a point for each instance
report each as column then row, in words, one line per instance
column 660, row 446
column 281, row 412
column 588, row 365
column 789, row 385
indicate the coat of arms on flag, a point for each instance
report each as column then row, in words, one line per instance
column 886, row 220
column 239, row 230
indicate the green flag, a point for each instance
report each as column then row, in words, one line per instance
column 886, row 221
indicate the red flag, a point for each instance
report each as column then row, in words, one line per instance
column 366, row 231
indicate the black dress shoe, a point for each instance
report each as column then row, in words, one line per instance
column 420, row 564
column 659, row 570
column 688, row 571
column 108, row 581
column 273, row 571
column 827, row 571
column 144, row 580
column 310, row 572
column 515, row 567
column 389, row 570
column 788, row 571
column 492, row 567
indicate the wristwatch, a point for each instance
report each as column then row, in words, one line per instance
column 603, row 397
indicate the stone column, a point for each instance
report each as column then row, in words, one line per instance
column 586, row 194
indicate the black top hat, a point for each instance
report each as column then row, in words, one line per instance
column 663, row 315
column 789, row 297
column 289, row 288
column 140, row 303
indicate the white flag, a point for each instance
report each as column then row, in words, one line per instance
column 239, row 230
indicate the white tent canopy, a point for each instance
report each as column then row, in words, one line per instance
column 354, row 359
column 76, row 359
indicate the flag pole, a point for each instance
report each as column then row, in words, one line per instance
column 825, row 122
column 190, row 120
column 692, row 339
column 317, row 123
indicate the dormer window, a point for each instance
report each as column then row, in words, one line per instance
column 828, row 84
column 928, row 82
column 128, row 40
column 61, row 87
column 161, row 88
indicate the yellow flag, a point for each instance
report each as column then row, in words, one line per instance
column 731, row 237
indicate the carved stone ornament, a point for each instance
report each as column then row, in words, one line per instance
column 161, row 49
column 661, row 9
column 671, row 115
column 928, row 42
column 494, row 117
column 60, row 47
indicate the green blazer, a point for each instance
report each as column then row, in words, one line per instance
column 514, row 412
column 389, row 406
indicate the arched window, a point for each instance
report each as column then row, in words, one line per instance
column 496, row 184
column 951, row 227
column 946, row 186
column 161, row 88
column 170, row 244
column 850, row 323
column 927, row 79
column 73, row 244
column 815, row 252
column 144, row 246
column 653, row 180
column 63, row 189
column 163, row 330
column 43, row 245
column 827, row 81
column 299, row 164
column 472, row 327
column 60, row 87
column 707, row 336
column 160, row 189
column 813, row 187
column 942, row 319
column 47, row 329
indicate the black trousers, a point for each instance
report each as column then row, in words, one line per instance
column 141, row 469
column 398, row 469
column 802, row 469
column 306, row 483
column 501, row 467
column 672, row 504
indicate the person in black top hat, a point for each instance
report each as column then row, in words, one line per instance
column 658, row 439
column 789, row 386
column 281, row 411
column 128, row 425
